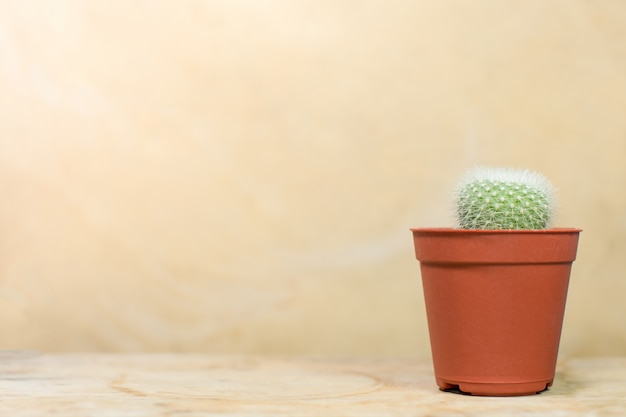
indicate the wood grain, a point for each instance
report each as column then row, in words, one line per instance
column 197, row 385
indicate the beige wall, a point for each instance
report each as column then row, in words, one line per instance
column 240, row 176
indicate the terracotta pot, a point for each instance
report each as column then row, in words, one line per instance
column 495, row 301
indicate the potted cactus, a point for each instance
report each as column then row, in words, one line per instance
column 495, row 285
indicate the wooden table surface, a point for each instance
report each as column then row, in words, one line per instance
column 34, row 384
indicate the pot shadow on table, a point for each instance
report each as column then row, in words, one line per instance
column 562, row 386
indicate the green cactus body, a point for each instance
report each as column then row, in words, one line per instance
column 502, row 198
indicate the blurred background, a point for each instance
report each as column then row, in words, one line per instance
column 240, row 176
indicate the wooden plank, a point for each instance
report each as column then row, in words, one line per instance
column 170, row 384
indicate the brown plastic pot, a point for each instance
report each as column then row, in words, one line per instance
column 495, row 301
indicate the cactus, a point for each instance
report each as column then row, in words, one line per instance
column 504, row 198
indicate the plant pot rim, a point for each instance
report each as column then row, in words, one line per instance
column 468, row 246
column 451, row 230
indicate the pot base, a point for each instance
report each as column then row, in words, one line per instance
column 495, row 389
